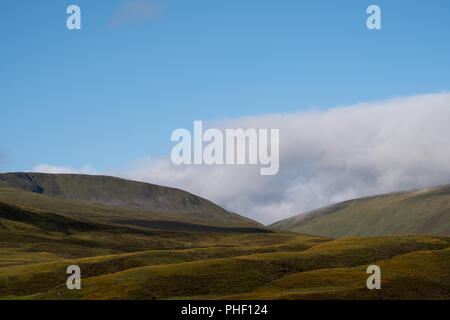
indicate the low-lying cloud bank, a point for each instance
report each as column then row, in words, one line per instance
column 325, row 157
column 45, row 168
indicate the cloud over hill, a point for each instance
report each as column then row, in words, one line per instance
column 326, row 156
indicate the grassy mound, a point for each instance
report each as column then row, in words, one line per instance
column 297, row 267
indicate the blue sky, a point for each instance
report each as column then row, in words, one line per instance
column 114, row 91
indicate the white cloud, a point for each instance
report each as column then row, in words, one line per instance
column 325, row 157
column 45, row 168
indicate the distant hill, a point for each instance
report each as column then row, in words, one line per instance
column 114, row 200
column 416, row 212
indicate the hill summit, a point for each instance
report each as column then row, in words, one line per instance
column 112, row 199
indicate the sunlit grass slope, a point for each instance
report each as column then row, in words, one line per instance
column 296, row 267
column 416, row 212
column 415, row 275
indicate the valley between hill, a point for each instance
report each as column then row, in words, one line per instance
column 129, row 249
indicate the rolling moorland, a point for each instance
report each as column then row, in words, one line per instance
column 140, row 241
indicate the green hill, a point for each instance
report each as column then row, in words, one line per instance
column 139, row 241
column 416, row 212
column 118, row 201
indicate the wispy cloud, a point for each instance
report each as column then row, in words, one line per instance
column 134, row 11
column 45, row 168
column 325, row 157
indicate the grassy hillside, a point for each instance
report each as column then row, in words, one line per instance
column 108, row 191
column 115, row 200
column 298, row 267
column 416, row 212
column 134, row 262
column 32, row 230
column 127, row 249
column 413, row 275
